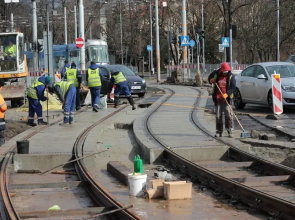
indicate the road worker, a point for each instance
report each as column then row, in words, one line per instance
column 10, row 50
column 74, row 76
column 3, row 108
column 227, row 83
column 66, row 92
column 35, row 93
column 93, row 77
column 118, row 79
column 66, row 67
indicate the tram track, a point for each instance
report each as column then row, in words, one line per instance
column 97, row 193
column 262, row 187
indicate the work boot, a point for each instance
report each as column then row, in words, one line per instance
column 218, row 134
column 78, row 108
column 131, row 102
column 42, row 123
column 230, row 135
column 31, row 124
column 116, row 102
column 95, row 107
column 63, row 124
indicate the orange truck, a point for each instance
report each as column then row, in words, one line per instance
column 13, row 67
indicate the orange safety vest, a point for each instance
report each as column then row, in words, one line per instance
column 3, row 108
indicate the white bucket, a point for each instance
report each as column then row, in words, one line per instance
column 137, row 184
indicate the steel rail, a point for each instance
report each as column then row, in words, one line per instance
column 7, row 210
column 95, row 189
column 256, row 199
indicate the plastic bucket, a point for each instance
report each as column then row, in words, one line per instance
column 22, row 147
column 137, row 184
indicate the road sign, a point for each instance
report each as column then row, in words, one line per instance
column 79, row 42
column 184, row 41
column 225, row 41
column 221, row 48
column 277, row 94
column 149, row 48
column 192, row 43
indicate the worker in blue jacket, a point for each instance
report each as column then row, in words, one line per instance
column 65, row 68
column 93, row 78
column 121, row 83
column 73, row 75
column 35, row 94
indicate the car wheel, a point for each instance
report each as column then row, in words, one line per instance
column 269, row 100
column 141, row 95
column 238, row 103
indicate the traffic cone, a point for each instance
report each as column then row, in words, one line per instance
column 112, row 95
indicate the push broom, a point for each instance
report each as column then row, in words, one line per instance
column 243, row 134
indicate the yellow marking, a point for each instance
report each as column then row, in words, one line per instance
column 186, row 106
column 46, row 71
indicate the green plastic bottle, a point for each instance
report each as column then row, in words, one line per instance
column 138, row 164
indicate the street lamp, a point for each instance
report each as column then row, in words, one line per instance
column 278, row 30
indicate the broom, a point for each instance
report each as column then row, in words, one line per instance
column 243, row 134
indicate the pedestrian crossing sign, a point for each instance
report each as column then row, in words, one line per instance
column 225, row 41
column 184, row 41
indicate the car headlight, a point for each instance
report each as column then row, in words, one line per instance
column 288, row 88
column 143, row 81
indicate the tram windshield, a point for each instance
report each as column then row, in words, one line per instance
column 8, row 53
column 98, row 54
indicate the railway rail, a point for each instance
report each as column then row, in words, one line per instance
column 97, row 193
column 263, row 186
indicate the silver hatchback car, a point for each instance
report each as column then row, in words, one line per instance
column 253, row 85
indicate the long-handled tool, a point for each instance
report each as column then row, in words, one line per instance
column 243, row 134
column 71, row 161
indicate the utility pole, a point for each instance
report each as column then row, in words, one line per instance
column 34, row 14
column 81, row 27
column 75, row 14
column 66, row 31
column 157, row 43
column 121, row 28
column 203, row 28
column 184, row 33
column 151, row 28
column 278, row 30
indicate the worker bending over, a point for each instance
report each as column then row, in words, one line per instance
column 35, row 94
column 121, row 83
column 3, row 108
column 74, row 76
column 66, row 93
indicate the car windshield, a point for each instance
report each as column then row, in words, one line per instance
column 121, row 68
column 285, row 71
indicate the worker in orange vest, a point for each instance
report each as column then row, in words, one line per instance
column 3, row 108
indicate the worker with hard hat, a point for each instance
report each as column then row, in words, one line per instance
column 3, row 108
column 93, row 78
column 66, row 92
column 35, row 94
column 118, row 79
column 74, row 76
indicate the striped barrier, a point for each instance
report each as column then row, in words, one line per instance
column 277, row 94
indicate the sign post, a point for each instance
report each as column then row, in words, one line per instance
column 192, row 43
column 149, row 49
column 276, row 94
column 225, row 41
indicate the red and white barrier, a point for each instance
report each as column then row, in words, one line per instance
column 277, row 94
column 112, row 95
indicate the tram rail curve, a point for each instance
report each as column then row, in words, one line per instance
column 94, row 189
column 276, row 207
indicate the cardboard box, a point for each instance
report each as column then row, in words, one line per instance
column 155, row 183
column 177, row 190
column 155, row 193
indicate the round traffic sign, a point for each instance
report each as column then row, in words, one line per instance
column 79, row 42
column 149, row 47
column 192, row 43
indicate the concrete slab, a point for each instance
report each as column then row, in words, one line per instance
column 270, row 144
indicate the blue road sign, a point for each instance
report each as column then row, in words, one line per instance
column 149, row 48
column 184, row 41
column 192, row 43
column 225, row 41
